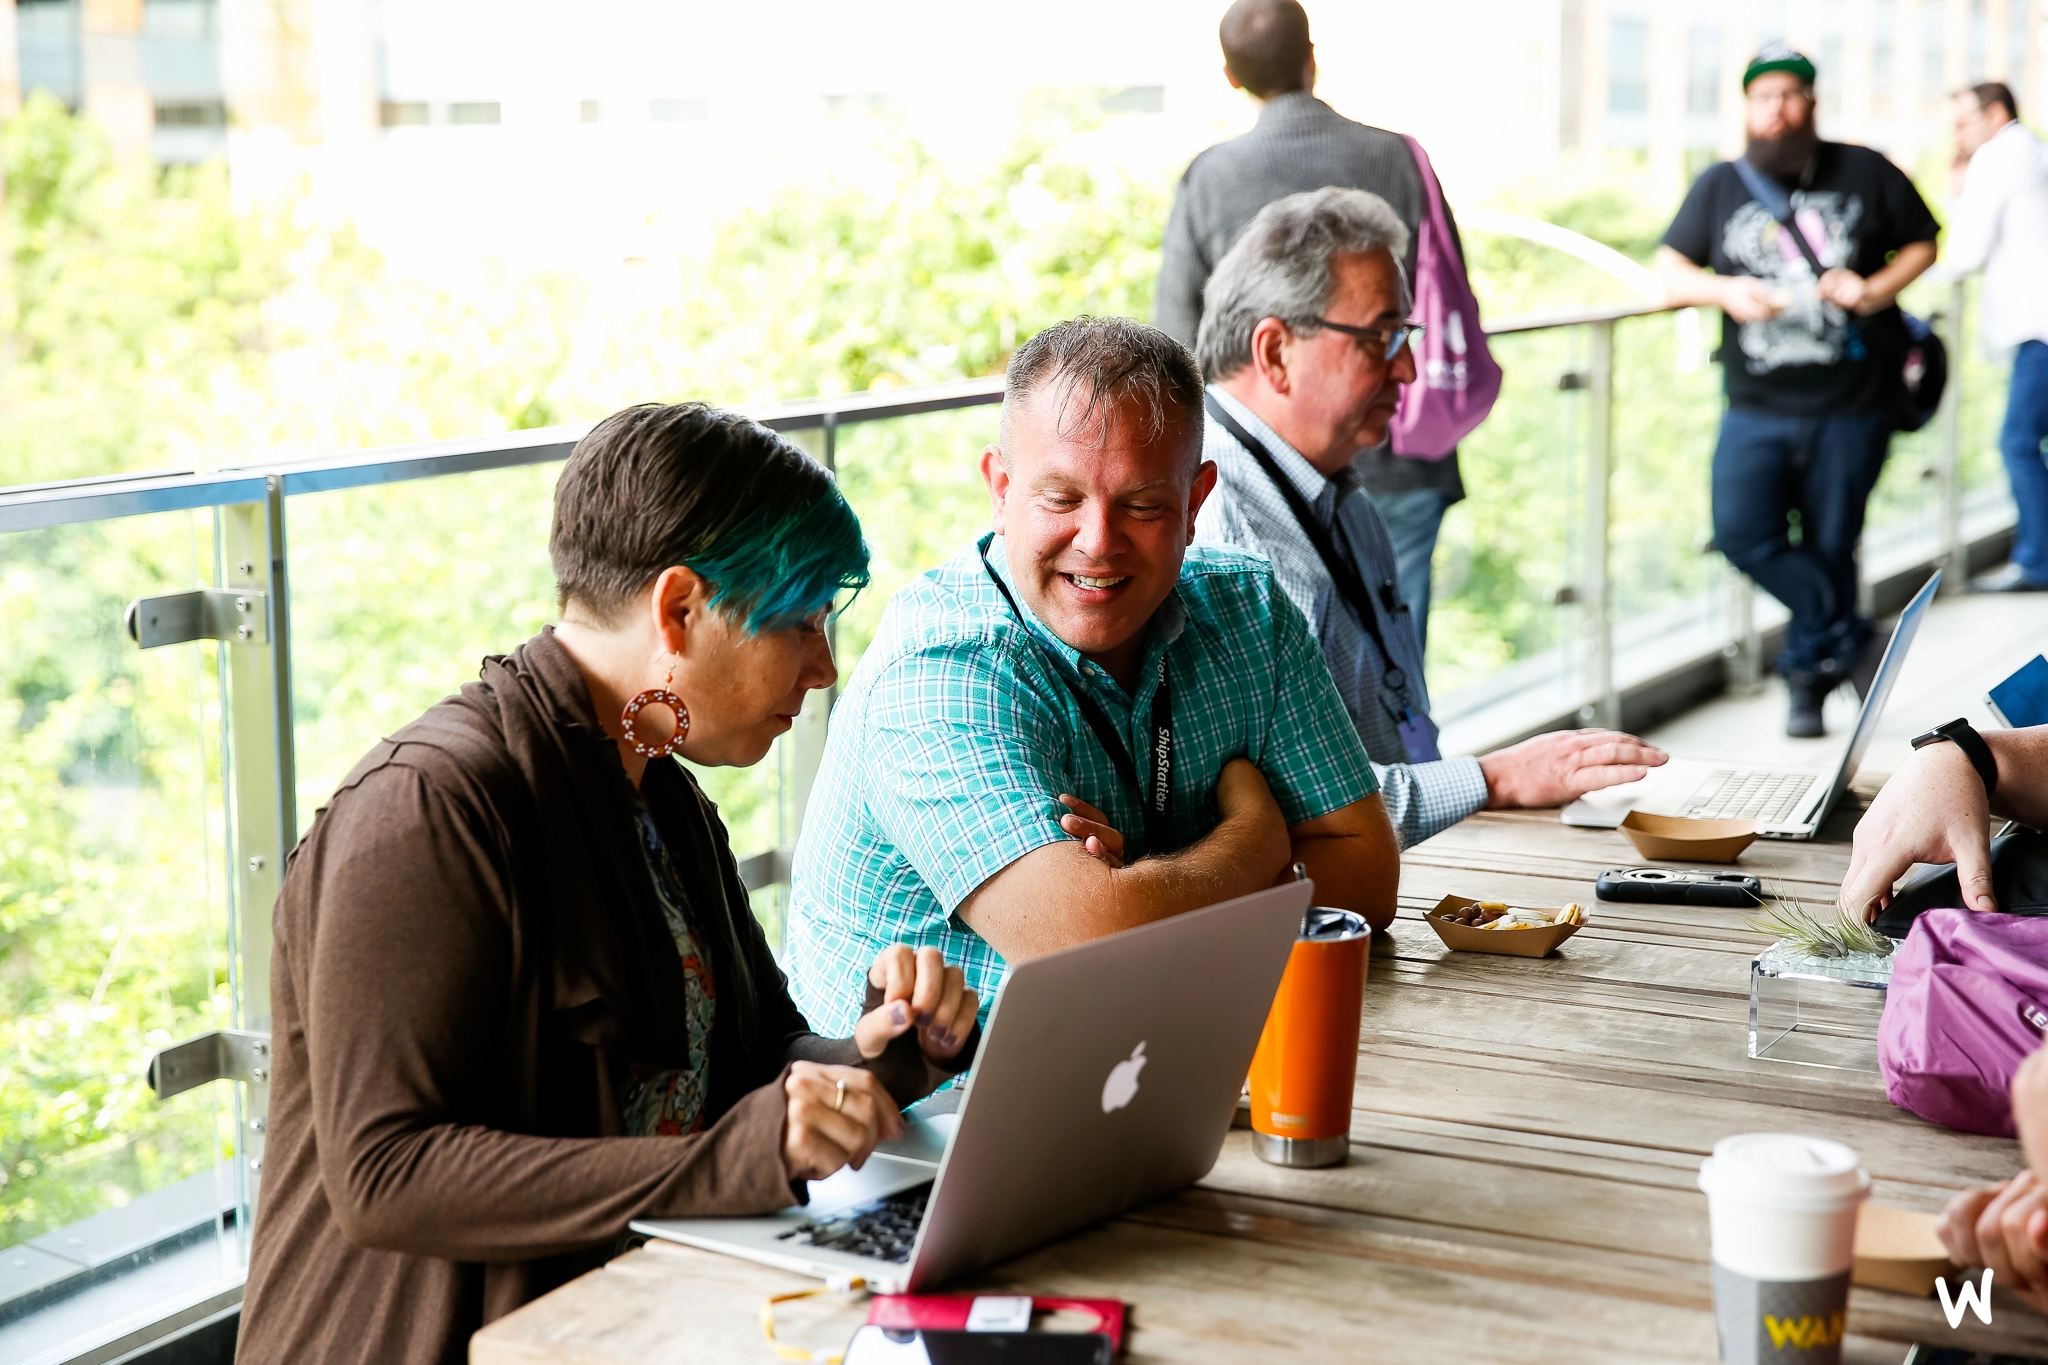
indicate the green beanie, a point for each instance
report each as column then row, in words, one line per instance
column 1778, row 57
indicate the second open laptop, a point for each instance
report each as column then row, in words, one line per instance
column 1787, row 803
column 1108, row 1075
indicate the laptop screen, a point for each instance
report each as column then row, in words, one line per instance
column 1880, row 690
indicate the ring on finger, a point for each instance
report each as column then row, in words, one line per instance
column 839, row 1099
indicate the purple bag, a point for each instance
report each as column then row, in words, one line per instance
column 1456, row 377
column 1968, row 1002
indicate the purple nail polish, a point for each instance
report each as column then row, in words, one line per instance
column 896, row 1015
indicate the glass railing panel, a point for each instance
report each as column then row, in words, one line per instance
column 1907, row 496
column 916, row 484
column 113, row 927
column 1509, row 546
column 400, row 590
column 1667, row 414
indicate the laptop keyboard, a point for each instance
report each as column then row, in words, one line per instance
column 1733, row 793
column 883, row 1230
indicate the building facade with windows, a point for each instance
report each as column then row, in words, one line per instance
column 1663, row 77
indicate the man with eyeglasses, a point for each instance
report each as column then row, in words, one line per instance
column 1305, row 346
column 1300, row 143
column 1808, row 421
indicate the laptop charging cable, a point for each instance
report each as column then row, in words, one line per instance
column 850, row 1284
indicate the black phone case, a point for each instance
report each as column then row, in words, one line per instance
column 1731, row 890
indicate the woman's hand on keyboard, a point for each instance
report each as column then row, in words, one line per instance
column 917, row 989
column 827, row 1127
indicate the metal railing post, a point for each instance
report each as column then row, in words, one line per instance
column 1596, row 615
column 264, row 820
column 1745, row 648
column 803, row 748
column 1955, row 570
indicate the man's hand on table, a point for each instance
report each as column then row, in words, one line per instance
column 2005, row 1228
column 1552, row 769
column 1932, row 810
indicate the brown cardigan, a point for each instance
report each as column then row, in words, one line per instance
column 469, row 959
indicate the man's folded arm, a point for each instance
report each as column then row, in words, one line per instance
column 1058, row 895
column 1353, row 858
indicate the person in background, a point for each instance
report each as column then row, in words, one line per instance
column 1305, row 346
column 2000, row 226
column 1301, row 143
column 1938, row 808
column 1079, row 724
column 1807, row 427
column 2004, row 1227
column 520, row 998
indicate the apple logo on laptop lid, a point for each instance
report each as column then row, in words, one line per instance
column 1122, row 1086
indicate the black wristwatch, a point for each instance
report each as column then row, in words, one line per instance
column 1964, row 736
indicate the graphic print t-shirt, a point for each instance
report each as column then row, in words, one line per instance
column 1856, row 211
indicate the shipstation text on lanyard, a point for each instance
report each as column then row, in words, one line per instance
column 1154, row 800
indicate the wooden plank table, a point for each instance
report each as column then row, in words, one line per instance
column 1525, row 1142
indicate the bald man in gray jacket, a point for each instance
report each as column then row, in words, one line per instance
column 1301, row 143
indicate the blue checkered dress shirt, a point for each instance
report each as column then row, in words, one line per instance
column 958, row 731
column 1246, row 510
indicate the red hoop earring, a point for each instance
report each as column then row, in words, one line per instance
column 656, row 696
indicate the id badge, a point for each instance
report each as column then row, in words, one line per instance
column 1418, row 738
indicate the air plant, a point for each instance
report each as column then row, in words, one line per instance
column 1790, row 921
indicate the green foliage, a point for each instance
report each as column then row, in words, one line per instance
column 1817, row 935
column 111, row 939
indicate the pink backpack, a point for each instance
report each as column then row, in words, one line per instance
column 1456, row 377
column 1968, row 1002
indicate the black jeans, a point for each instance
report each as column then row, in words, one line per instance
column 1767, row 467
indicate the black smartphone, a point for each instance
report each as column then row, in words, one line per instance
column 930, row 1346
column 1673, row 886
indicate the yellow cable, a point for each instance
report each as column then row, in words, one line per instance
column 798, row 1353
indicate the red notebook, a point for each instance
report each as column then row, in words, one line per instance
column 948, row 1312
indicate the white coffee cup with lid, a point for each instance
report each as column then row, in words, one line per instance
column 1782, row 1211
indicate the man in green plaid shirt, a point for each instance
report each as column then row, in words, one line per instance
column 1004, row 777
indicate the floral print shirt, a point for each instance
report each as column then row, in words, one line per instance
column 671, row 1103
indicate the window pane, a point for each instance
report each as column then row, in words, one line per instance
column 113, row 921
column 1628, row 90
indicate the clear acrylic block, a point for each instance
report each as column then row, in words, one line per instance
column 1816, row 1011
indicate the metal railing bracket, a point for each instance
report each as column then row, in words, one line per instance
column 225, row 1055
column 234, row 615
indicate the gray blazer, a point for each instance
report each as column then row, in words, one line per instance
column 1299, row 143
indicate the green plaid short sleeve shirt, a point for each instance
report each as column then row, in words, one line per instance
column 959, row 730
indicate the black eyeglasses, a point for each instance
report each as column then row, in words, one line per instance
column 1392, row 338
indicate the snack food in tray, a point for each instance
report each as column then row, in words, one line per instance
column 1499, row 915
column 1498, row 927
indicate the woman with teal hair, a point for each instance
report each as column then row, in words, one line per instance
column 518, row 996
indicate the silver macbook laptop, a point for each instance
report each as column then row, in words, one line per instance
column 1787, row 803
column 1108, row 1075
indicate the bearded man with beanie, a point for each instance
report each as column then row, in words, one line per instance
column 1808, row 422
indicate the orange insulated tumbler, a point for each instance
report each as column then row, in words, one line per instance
column 1308, row 1056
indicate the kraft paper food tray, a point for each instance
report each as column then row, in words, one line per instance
column 1896, row 1249
column 1511, row 942
column 1675, row 839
